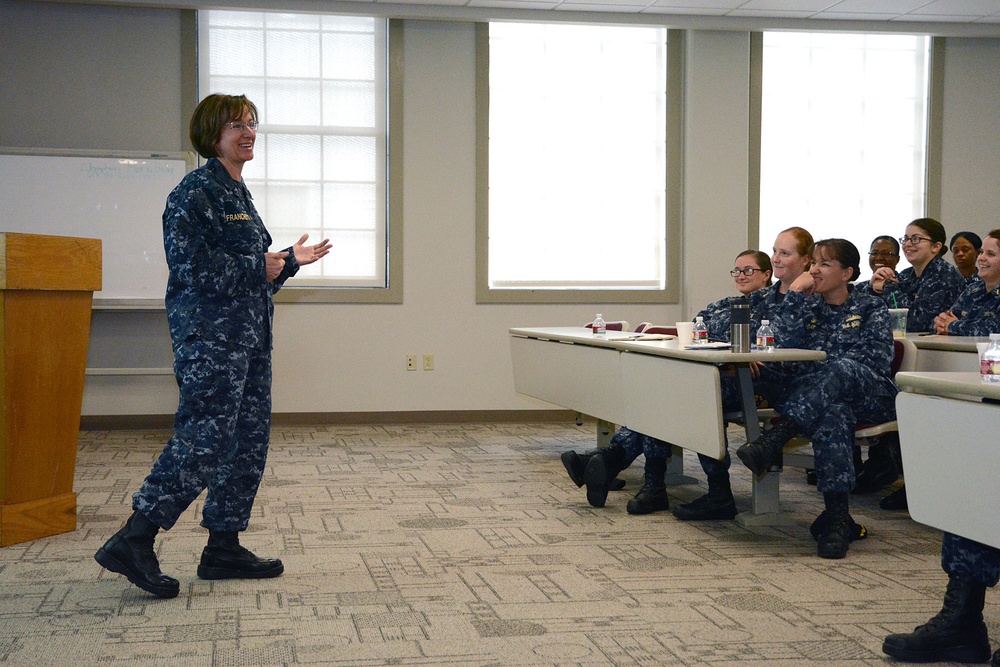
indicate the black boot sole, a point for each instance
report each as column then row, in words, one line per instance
column 648, row 505
column 754, row 459
column 109, row 562
column 574, row 466
column 718, row 513
column 595, row 476
column 216, row 573
column 966, row 654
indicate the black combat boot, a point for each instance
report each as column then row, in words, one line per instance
column 716, row 505
column 652, row 497
column 576, row 464
column 765, row 451
column 224, row 558
column 880, row 469
column 995, row 662
column 130, row 552
column 837, row 530
column 956, row 634
column 601, row 470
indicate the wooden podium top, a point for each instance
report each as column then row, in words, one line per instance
column 41, row 262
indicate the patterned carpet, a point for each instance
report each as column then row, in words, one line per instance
column 464, row 545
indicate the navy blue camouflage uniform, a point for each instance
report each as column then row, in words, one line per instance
column 827, row 399
column 976, row 310
column 763, row 304
column 927, row 295
column 968, row 559
column 220, row 310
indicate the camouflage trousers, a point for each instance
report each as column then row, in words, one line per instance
column 827, row 405
column 635, row 443
column 962, row 557
column 221, row 433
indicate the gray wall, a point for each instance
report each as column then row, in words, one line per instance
column 93, row 77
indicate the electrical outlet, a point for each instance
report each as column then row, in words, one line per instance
column 428, row 362
column 411, row 362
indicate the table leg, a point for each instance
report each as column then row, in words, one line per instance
column 675, row 469
column 765, row 504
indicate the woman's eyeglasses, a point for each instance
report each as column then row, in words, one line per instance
column 749, row 271
column 913, row 239
column 883, row 255
column 240, row 126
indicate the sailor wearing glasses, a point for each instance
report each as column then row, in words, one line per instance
column 751, row 273
column 220, row 307
column 929, row 286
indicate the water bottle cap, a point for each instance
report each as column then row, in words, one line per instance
column 765, row 321
column 995, row 336
column 599, row 315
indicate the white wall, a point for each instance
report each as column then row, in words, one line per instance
column 350, row 358
column 971, row 150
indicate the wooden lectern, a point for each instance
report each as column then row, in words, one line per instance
column 46, row 295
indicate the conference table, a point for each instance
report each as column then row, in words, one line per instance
column 651, row 384
column 948, row 438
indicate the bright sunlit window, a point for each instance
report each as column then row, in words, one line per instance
column 319, row 83
column 577, row 157
column 844, row 135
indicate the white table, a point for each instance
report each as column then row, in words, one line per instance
column 953, row 419
column 947, row 353
column 656, row 387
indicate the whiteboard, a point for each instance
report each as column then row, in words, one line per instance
column 116, row 197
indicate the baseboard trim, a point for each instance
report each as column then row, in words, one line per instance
column 124, row 422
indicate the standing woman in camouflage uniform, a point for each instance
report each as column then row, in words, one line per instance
column 220, row 308
column 929, row 286
column 826, row 400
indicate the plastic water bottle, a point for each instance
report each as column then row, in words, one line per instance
column 600, row 327
column 765, row 337
column 989, row 362
column 700, row 334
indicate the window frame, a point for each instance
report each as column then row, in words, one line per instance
column 670, row 294
column 392, row 293
column 933, row 134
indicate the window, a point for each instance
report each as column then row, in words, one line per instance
column 843, row 135
column 320, row 85
column 573, row 184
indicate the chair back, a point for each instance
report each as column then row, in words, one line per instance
column 657, row 329
column 905, row 355
column 619, row 325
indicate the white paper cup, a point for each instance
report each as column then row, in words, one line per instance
column 685, row 332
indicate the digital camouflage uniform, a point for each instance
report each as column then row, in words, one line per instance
column 976, row 310
column 927, row 296
column 220, row 309
column 827, row 399
column 968, row 559
column 763, row 304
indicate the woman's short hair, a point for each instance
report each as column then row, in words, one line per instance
column 763, row 261
column 211, row 114
column 844, row 252
column 933, row 229
column 995, row 235
column 971, row 237
column 890, row 239
column 803, row 239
